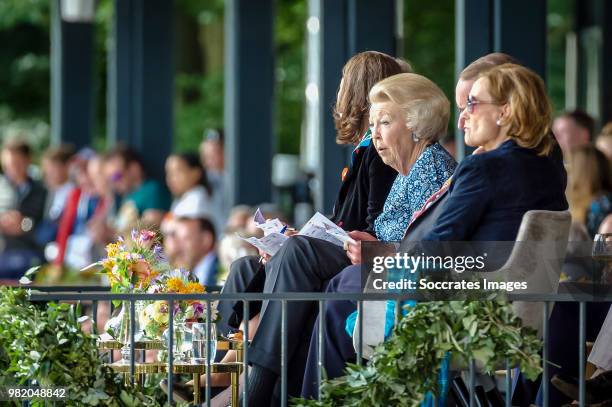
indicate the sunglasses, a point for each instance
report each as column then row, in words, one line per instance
column 471, row 104
column 116, row 177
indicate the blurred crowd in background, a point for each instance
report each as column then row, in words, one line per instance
column 62, row 211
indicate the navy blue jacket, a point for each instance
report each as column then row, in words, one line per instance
column 491, row 192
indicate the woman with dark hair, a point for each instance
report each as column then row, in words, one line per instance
column 187, row 181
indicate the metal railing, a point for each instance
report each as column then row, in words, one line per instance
column 321, row 298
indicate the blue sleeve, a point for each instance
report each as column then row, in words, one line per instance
column 468, row 200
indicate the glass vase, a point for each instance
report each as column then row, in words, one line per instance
column 124, row 332
column 181, row 342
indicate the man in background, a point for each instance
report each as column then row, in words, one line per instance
column 212, row 157
column 18, row 249
column 55, row 168
column 572, row 129
column 196, row 250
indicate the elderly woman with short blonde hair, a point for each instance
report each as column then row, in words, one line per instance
column 408, row 115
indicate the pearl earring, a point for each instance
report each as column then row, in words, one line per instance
column 415, row 138
column 498, row 122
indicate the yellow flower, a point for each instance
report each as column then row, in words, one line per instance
column 192, row 288
column 112, row 249
column 108, row 264
column 175, row 285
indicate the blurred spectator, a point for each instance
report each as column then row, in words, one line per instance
column 589, row 189
column 573, row 129
column 239, row 218
column 55, row 164
column 231, row 248
column 197, row 248
column 86, row 203
column 170, row 242
column 186, row 179
column 143, row 201
column 212, row 156
column 604, row 140
column 18, row 249
column 7, row 195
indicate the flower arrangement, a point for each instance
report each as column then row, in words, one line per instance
column 136, row 264
column 154, row 317
column 133, row 265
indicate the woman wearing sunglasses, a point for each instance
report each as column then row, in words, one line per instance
column 507, row 115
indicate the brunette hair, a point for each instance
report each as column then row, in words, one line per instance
column 359, row 75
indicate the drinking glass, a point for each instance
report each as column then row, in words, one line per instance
column 201, row 342
column 602, row 251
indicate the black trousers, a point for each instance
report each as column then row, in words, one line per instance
column 303, row 264
column 337, row 344
column 242, row 273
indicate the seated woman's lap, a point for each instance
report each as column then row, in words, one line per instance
column 338, row 345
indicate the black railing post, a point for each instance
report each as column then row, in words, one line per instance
column 508, row 384
column 321, row 348
column 94, row 317
column 132, row 312
column 170, row 349
column 472, row 383
column 359, row 332
column 283, row 353
column 208, row 352
column 545, row 354
column 245, row 352
column 581, row 350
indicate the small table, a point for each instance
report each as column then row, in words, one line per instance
column 142, row 369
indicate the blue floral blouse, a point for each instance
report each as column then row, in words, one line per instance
column 409, row 192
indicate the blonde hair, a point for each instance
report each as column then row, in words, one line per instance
column 588, row 177
column 530, row 109
column 423, row 103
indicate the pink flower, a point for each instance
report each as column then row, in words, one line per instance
column 146, row 238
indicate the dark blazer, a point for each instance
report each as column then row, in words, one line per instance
column 491, row 192
column 363, row 191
